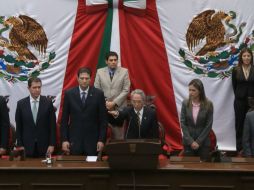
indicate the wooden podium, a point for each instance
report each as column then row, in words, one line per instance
column 133, row 154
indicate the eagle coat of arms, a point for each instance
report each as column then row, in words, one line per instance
column 23, row 45
column 212, row 41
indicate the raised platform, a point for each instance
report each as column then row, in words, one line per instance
column 73, row 173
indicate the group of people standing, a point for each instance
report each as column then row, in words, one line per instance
column 88, row 110
column 197, row 112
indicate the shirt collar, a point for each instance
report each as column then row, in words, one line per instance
column 195, row 104
column 247, row 67
column 81, row 91
column 141, row 111
column 112, row 70
column 32, row 99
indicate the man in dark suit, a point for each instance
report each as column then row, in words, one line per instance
column 142, row 120
column 4, row 125
column 35, row 122
column 248, row 130
column 84, row 118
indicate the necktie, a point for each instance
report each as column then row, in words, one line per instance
column 83, row 98
column 34, row 111
column 111, row 74
column 138, row 118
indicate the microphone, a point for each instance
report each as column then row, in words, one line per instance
column 128, row 127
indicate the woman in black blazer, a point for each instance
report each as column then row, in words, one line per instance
column 196, row 121
column 243, row 86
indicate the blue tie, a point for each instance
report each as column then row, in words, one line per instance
column 83, row 98
column 111, row 74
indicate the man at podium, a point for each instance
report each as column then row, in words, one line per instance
column 141, row 120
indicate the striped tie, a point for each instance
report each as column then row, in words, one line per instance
column 138, row 118
column 139, row 123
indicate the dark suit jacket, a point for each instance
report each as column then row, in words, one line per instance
column 243, row 88
column 148, row 128
column 248, row 134
column 84, row 126
column 4, row 123
column 198, row 132
column 43, row 131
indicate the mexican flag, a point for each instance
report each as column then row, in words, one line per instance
column 155, row 39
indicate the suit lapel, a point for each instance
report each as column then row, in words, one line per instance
column 134, row 116
column 117, row 71
column 29, row 109
column 190, row 114
column 88, row 97
column 241, row 74
column 77, row 95
column 144, row 117
column 251, row 73
column 39, row 109
column 106, row 75
column 200, row 112
column 41, row 103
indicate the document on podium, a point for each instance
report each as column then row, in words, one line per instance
column 91, row 158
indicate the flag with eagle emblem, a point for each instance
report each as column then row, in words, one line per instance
column 164, row 44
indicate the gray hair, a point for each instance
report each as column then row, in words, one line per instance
column 140, row 92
